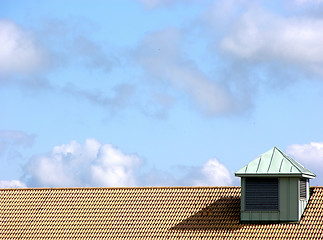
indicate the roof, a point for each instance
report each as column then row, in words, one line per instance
column 275, row 163
column 143, row 213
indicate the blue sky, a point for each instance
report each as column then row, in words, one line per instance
column 157, row 93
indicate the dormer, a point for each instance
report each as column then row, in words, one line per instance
column 274, row 188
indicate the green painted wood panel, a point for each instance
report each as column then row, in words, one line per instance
column 289, row 209
column 289, row 199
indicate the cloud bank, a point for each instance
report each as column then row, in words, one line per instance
column 103, row 165
column 91, row 164
column 245, row 46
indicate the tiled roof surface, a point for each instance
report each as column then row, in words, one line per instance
column 143, row 213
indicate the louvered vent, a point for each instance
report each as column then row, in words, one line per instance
column 262, row 194
column 302, row 188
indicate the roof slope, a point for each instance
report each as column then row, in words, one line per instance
column 143, row 213
column 274, row 162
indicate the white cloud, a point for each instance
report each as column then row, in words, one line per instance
column 259, row 35
column 114, row 168
column 12, row 184
column 161, row 56
column 310, row 154
column 213, row 173
column 19, row 53
column 91, row 164
column 56, row 169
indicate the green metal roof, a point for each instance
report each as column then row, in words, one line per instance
column 274, row 163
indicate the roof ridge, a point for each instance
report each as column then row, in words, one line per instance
column 297, row 164
column 291, row 160
column 119, row 188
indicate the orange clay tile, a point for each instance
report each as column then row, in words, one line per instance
column 143, row 213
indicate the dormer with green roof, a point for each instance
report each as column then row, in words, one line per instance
column 274, row 188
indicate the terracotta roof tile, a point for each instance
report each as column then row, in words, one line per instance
column 154, row 213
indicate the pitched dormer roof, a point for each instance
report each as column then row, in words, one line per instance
column 274, row 163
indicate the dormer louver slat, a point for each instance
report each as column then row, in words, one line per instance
column 274, row 188
column 262, row 194
column 302, row 189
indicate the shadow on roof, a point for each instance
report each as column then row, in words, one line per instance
column 224, row 214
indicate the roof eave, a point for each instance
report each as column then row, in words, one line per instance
column 305, row 175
